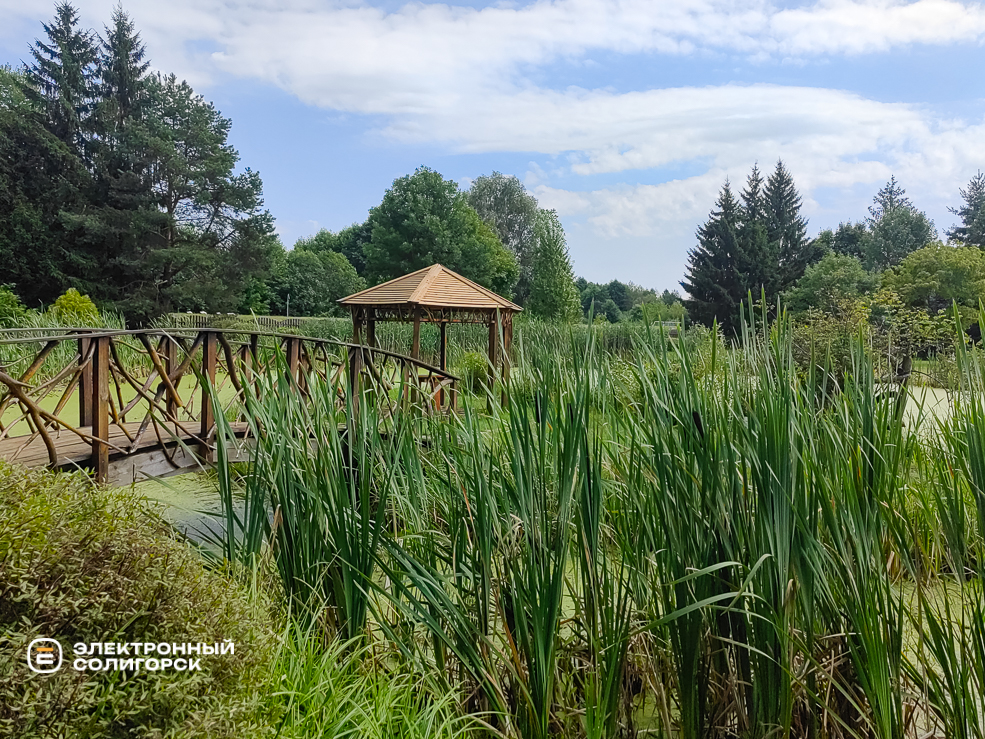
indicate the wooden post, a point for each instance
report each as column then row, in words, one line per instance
column 355, row 358
column 442, row 358
column 415, row 349
column 493, row 355
column 170, row 365
column 293, row 358
column 100, row 408
column 507, row 345
column 371, row 327
column 85, row 384
column 208, row 381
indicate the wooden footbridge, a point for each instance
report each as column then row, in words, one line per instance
column 127, row 405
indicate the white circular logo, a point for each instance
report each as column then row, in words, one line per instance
column 44, row 655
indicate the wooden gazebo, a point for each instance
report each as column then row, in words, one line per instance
column 435, row 294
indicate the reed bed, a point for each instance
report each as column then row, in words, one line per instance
column 694, row 539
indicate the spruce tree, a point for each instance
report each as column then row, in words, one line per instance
column 756, row 259
column 62, row 78
column 971, row 232
column 714, row 283
column 553, row 294
column 786, row 230
column 895, row 228
column 123, row 70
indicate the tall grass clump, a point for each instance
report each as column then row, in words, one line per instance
column 698, row 537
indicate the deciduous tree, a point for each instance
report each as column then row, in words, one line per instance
column 424, row 219
column 504, row 203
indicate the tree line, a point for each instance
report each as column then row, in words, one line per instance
column 892, row 260
column 121, row 184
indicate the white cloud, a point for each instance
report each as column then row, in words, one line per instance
column 462, row 78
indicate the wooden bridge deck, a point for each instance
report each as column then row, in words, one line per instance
column 149, row 458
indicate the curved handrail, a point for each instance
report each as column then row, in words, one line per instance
column 92, row 333
column 109, row 388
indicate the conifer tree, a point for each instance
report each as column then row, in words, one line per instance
column 553, row 294
column 714, row 283
column 756, row 260
column 123, row 70
column 971, row 232
column 62, row 78
column 895, row 228
column 786, row 230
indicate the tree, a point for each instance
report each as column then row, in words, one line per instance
column 620, row 295
column 714, row 285
column 313, row 282
column 756, row 259
column 513, row 214
column 828, row 283
column 895, row 228
column 40, row 179
column 123, row 71
column 971, row 232
column 349, row 242
column 937, row 275
column 553, row 295
column 211, row 226
column 62, row 78
column 786, row 230
column 848, row 240
column 424, row 220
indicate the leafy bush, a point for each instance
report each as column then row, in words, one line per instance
column 85, row 564
column 11, row 307
column 74, row 309
column 472, row 368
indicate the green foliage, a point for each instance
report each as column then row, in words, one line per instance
column 125, row 189
column 938, row 275
column 714, row 284
column 512, row 213
column 40, row 178
column 84, row 564
column 473, row 369
column 312, row 282
column 828, row 283
column 895, row 228
column 344, row 690
column 757, row 246
column 424, row 220
column 553, row 295
column 74, row 309
column 657, row 311
column 61, row 80
column 971, row 232
column 848, row 240
column 11, row 307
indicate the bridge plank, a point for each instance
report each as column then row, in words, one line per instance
column 75, row 452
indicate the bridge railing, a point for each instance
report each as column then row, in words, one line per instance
column 95, row 398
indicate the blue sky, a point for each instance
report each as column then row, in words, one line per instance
column 626, row 116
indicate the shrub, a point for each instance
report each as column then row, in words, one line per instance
column 74, row 309
column 11, row 307
column 85, row 564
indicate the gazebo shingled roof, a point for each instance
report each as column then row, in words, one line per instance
column 435, row 294
column 432, row 287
